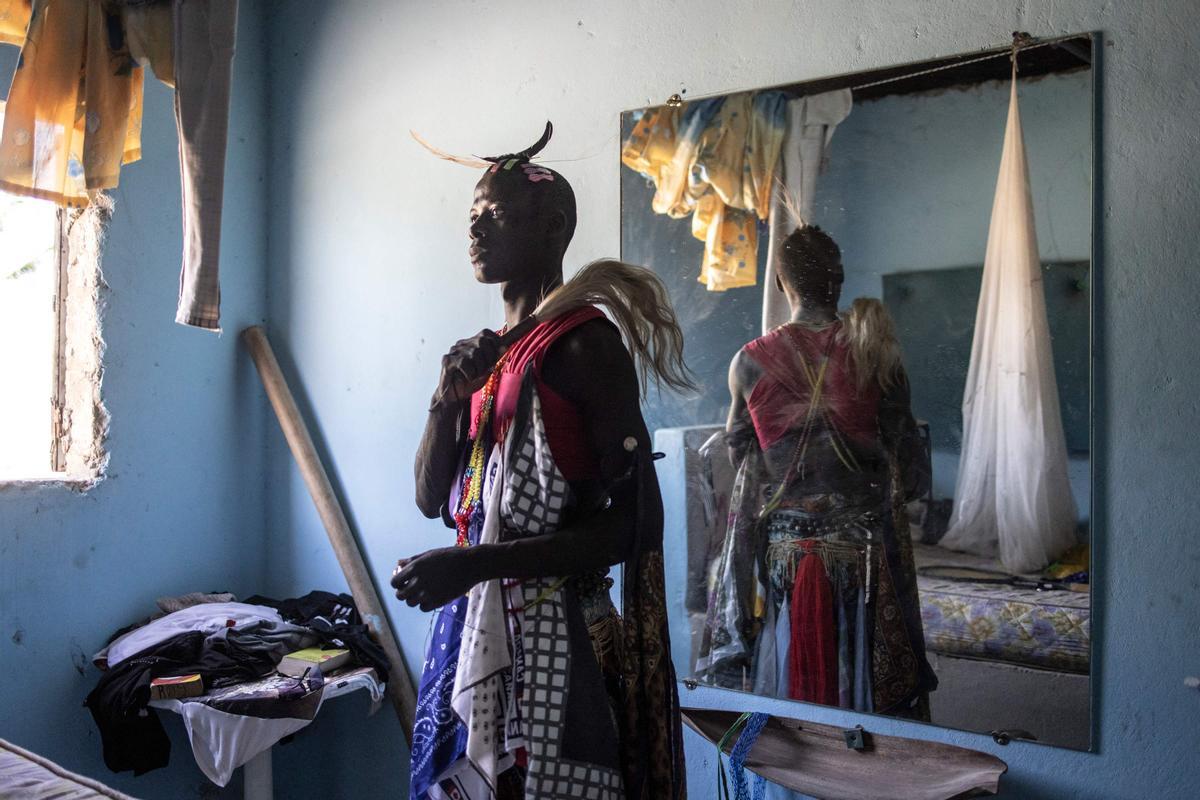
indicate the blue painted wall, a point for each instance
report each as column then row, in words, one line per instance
column 183, row 505
column 368, row 286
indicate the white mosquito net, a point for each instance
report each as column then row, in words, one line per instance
column 1013, row 496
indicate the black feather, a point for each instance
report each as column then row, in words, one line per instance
column 528, row 152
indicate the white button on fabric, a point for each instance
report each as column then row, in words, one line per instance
column 630, row 444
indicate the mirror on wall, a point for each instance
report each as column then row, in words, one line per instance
column 880, row 496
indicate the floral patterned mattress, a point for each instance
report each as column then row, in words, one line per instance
column 27, row 775
column 1047, row 630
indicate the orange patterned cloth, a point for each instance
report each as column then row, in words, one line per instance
column 14, row 21
column 74, row 112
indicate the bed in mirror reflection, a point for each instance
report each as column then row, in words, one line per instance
column 880, row 498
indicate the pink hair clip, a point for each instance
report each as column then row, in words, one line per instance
column 536, row 173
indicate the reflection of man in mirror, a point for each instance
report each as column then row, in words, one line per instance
column 818, row 573
column 536, row 452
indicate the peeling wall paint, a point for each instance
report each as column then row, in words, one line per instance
column 85, row 419
column 369, row 285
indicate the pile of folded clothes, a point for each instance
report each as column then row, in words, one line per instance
column 230, row 645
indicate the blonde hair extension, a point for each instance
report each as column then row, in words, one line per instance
column 871, row 334
column 639, row 305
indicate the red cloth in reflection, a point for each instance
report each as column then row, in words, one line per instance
column 564, row 423
column 779, row 402
column 812, row 654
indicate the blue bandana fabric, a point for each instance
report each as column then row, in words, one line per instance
column 439, row 737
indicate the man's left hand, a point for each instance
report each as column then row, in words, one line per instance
column 433, row 578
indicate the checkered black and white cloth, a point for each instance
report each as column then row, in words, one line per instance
column 535, row 492
column 534, row 500
column 513, row 679
column 544, row 705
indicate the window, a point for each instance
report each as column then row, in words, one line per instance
column 30, row 232
column 51, row 420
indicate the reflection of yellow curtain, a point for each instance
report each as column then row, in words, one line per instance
column 718, row 165
column 651, row 145
column 74, row 111
column 730, row 238
column 715, row 159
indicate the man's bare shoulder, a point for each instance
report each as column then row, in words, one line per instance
column 592, row 349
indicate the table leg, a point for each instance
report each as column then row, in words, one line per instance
column 257, row 777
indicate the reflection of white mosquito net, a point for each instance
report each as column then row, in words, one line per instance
column 1012, row 496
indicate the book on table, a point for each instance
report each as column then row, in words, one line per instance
column 176, row 687
column 299, row 662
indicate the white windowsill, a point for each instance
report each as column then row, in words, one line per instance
column 76, row 483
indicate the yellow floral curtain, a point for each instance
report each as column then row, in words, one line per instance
column 74, row 111
column 715, row 159
column 14, row 20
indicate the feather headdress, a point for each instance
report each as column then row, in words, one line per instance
column 791, row 206
column 477, row 163
column 528, row 152
column 634, row 296
column 484, row 162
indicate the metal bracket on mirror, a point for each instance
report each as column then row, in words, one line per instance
column 1003, row 737
column 676, row 98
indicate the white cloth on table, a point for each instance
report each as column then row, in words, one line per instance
column 360, row 678
column 206, row 617
column 222, row 742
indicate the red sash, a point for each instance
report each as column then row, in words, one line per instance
column 563, row 420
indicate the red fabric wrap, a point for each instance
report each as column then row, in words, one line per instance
column 779, row 401
column 812, row 654
column 564, row 423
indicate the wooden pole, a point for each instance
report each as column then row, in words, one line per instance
column 399, row 685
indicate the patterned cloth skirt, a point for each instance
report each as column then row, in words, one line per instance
column 822, row 575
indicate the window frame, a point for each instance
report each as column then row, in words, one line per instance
column 76, row 455
column 58, row 380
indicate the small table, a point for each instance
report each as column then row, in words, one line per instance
column 258, row 734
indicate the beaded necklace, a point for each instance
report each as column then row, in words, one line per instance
column 471, row 496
